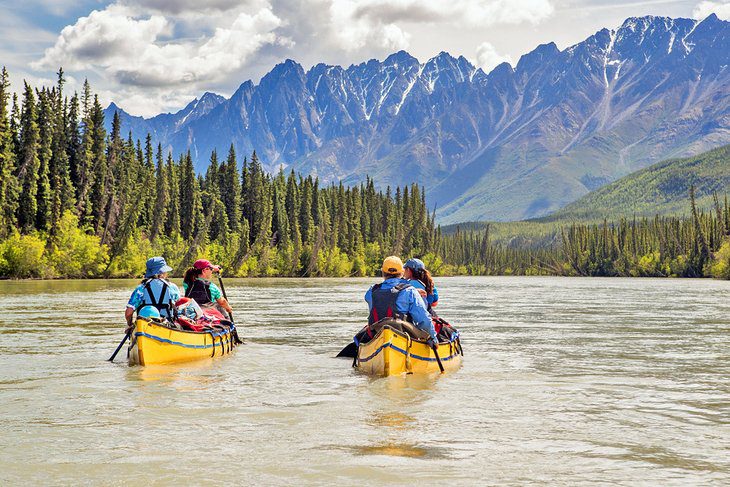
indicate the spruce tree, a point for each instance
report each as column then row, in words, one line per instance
column 62, row 195
column 292, row 211
column 8, row 179
column 45, row 152
column 162, row 195
column 98, row 194
column 74, row 148
column 172, row 220
column 150, row 186
column 306, row 222
column 189, row 198
column 255, row 198
column 29, row 162
column 109, row 204
column 280, row 221
column 230, row 190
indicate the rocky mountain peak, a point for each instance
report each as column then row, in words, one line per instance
column 515, row 143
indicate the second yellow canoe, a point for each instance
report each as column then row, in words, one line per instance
column 393, row 352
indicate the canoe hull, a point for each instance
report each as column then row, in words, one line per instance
column 156, row 344
column 392, row 352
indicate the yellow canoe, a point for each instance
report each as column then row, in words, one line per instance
column 154, row 343
column 394, row 352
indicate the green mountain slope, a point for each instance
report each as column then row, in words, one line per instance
column 659, row 189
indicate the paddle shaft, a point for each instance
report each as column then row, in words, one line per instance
column 230, row 313
column 126, row 337
column 223, row 290
column 438, row 359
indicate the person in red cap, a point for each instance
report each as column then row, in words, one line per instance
column 197, row 285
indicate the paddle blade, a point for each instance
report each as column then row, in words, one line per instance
column 350, row 351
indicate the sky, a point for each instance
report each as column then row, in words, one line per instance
column 153, row 56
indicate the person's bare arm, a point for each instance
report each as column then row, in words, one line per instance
column 128, row 314
column 224, row 303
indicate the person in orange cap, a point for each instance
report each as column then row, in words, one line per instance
column 197, row 285
column 396, row 298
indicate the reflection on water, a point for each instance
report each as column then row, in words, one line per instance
column 394, row 420
column 399, row 450
column 611, row 381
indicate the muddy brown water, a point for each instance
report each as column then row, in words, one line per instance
column 565, row 381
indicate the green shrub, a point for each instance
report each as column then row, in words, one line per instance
column 720, row 267
column 75, row 253
column 22, row 256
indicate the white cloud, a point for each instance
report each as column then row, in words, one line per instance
column 705, row 8
column 355, row 32
column 358, row 23
column 138, row 50
column 181, row 6
column 156, row 55
column 488, row 58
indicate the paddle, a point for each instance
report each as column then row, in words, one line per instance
column 126, row 337
column 223, row 290
column 350, row 351
column 438, row 359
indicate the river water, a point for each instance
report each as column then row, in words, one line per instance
column 565, row 381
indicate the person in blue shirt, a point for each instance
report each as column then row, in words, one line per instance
column 396, row 292
column 154, row 290
column 416, row 273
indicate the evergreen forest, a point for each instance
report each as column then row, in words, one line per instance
column 78, row 202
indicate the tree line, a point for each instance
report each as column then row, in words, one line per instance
column 664, row 246
column 76, row 201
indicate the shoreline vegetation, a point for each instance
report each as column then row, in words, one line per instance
column 78, row 202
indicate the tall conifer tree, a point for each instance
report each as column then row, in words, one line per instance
column 8, row 179
column 29, row 162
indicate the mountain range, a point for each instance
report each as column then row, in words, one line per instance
column 515, row 143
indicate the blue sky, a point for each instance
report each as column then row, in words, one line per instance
column 156, row 55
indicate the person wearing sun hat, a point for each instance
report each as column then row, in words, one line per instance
column 395, row 297
column 197, row 285
column 154, row 290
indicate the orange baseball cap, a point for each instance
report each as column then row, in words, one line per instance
column 392, row 265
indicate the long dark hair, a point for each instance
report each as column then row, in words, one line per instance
column 425, row 277
column 191, row 275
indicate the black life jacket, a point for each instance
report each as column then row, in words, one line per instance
column 383, row 303
column 199, row 290
column 163, row 302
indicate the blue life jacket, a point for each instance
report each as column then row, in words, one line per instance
column 383, row 304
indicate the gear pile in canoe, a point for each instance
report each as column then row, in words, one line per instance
column 393, row 347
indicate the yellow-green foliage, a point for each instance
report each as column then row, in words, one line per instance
column 131, row 261
column 22, row 256
column 74, row 253
column 651, row 265
column 720, row 266
column 433, row 263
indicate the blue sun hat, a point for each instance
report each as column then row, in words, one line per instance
column 156, row 265
column 415, row 264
